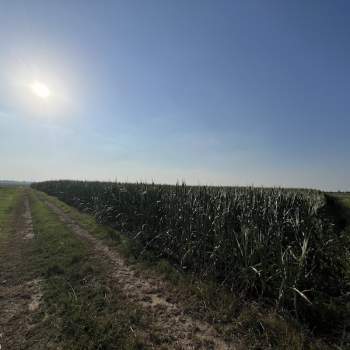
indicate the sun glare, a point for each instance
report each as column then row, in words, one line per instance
column 40, row 90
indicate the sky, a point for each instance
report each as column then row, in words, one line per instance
column 250, row 92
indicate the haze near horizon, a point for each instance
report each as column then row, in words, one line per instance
column 224, row 93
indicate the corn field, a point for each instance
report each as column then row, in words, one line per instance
column 269, row 243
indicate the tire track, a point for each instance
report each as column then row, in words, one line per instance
column 177, row 330
column 20, row 299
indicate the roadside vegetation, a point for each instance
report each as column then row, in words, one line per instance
column 87, row 312
column 80, row 307
column 310, row 259
column 12, row 267
column 8, row 200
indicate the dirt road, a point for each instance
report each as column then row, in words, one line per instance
column 179, row 331
column 35, row 282
column 20, row 290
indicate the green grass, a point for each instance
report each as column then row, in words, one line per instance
column 344, row 200
column 83, row 309
column 85, row 220
column 8, row 200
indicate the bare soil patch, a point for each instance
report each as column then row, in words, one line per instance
column 27, row 228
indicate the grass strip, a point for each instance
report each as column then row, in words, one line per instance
column 83, row 308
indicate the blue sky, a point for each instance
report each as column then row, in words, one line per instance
column 211, row 92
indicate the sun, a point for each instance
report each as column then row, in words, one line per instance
column 40, row 89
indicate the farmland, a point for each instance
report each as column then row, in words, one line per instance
column 273, row 244
column 130, row 266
